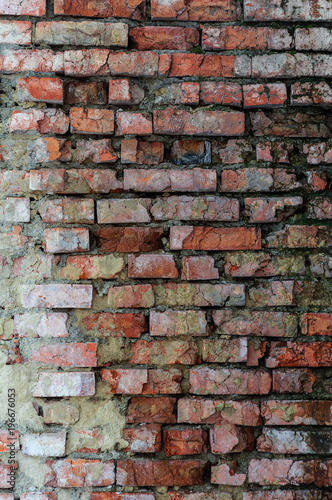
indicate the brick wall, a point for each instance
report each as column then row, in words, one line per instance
column 165, row 232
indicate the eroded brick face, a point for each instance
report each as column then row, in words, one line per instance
column 165, row 237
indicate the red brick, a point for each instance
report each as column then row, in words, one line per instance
column 58, row 296
column 155, row 180
column 92, row 267
column 221, row 93
column 151, row 266
column 214, row 411
column 160, row 352
column 292, row 11
column 264, row 96
column 210, row 65
column 151, row 410
column 53, row 121
column 195, row 10
column 184, row 442
column 293, row 381
column 173, row 323
column 199, row 268
column 244, row 38
column 98, row 151
column 60, row 240
column 89, row 8
column 224, row 351
column 282, row 495
column 190, row 208
column 178, row 93
column 23, row 8
column 247, row 264
column 226, row 473
column 49, row 149
column 209, row 238
column 64, row 384
column 312, row 354
column 275, row 152
column 9, row 440
column 81, row 33
column 257, row 179
column 172, row 121
column 70, row 354
column 123, row 211
column 85, row 93
column 83, row 181
column 205, row 380
column 143, row 381
column 139, row 64
column 271, row 209
column 15, row 32
column 228, row 438
column 297, row 412
column 92, row 121
column 5, row 470
column 300, row 236
column 133, row 123
column 131, row 296
column 160, row 473
column 130, row 325
column 164, row 38
column 40, row 325
column 76, row 473
column 67, row 210
column 124, row 92
column 129, row 239
column 316, row 324
column 142, row 153
column 144, row 439
column 190, row 152
column 37, row 61
column 308, row 94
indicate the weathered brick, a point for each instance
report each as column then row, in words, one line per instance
column 23, row 8
column 79, row 472
column 156, row 473
column 205, row 380
column 131, row 296
column 58, row 296
column 63, row 384
column 143, row 381
column 283, row 495
column 214, row 238
column 226, row 473
column 164, row 38
column 15, row 32
column 90, row 8
column 142, row 153
column 317, row 153
column 53, row 121
column 293, row 442
column 41, row 325
column 199, row 495
column 312, row 354
column 271, row 209
column 85, row 93
column 178, row 93
column 264, row 96
column 221, row 93
column 144, row 439
column 173, row 323
column 295, row 380
column 92, row 267
column 151, row 410
column 276, row 152
column 228, row 438
column 160, row 352
column 290, row 125
column 37, row 61
column 155, row 180
column 69, row 354
column 60, row 412
column 199, row 295
column 129, row 239
column 238, row 37
column 5, row 470
column 224, row 351
column 49, row 149
column 15, row 210
column 9, row 440
column 60, row 240
column 190, row 152
column 300, row 236
column 247, row 264
column 275, row 293
column 199, row 268
column 92, row 121
column 98, row 151
column 190, row 208
column 82, row 33
column 123, row 211
column 172, row 121
column 83, row 181
column 133, row 123
column 257, row 179
column 124, row 92
column 184, row 442
column 195, row 10
column 260, row 10
column 297, row 412
column 319, row 208
column 50, row 444
column 231, row 151
column 316, row 324
column 14, row 181
column 67, row 210
column 197, row 411
column 309, row 93
column 130, row 325
column 151, row 266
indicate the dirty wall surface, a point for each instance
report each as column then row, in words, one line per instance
column 165, row 212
